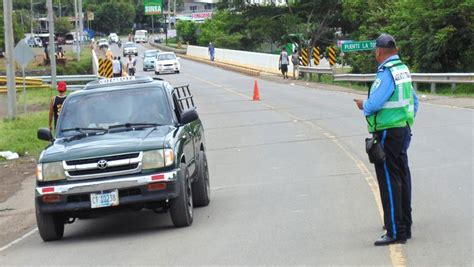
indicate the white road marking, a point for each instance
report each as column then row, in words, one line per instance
column 18, row 239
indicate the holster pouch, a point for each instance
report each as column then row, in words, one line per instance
column 374, row 149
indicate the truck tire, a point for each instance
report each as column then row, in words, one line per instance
column 202, row 187
column 181, row 207
column 50, row 226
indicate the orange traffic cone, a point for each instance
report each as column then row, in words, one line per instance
column 256, row 94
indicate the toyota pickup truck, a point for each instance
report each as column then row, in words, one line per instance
column 122, row 144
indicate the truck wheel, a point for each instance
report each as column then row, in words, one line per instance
column 50, row 226
column 202, row 187
column 181, row 207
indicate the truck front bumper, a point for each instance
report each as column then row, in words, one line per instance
column 75, row 196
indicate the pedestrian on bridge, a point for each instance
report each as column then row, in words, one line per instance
column 116, row 67
column 283, row 63
column 56, row 104
column 295, row 59
column 390, row 111
column 131, row 62
column 211, row 51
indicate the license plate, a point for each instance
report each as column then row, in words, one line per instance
column 104, row 199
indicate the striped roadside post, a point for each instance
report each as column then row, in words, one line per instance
column 332, row 56
column 304, row 57
column 105, row 68
column 316, row 55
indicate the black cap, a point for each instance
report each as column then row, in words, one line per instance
column 385, row 41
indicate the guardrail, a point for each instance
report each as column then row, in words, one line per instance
column 432, row 78
column 313, row 70
column 70, row 78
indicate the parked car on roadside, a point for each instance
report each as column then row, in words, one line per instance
column 138, row 143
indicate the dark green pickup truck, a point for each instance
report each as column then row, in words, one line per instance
column 122, row 144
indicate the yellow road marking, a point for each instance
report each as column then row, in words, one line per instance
column 396, row 253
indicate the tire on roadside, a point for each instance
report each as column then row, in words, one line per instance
column 181, row 207
column 202, row 187
column 50, row 226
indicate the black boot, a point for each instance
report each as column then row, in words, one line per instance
column 387, row 240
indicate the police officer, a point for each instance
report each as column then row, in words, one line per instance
column 390, row 110
column 56, row 104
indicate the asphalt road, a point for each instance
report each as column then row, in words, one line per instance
column 291, row 184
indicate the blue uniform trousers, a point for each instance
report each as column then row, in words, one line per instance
column 393, row 176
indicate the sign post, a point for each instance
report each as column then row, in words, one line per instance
column 23, row 55
column 153, row 7
column 358, row 46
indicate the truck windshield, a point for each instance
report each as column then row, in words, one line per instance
column 106, row 109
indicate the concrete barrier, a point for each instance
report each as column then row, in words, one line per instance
column 95, row 63
column 257, row 61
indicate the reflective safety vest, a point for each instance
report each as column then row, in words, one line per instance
column 399, row 110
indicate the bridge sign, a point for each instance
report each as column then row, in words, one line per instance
column 358, row 46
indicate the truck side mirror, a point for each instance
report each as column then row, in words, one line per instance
column 45, row 134
column 188, row 116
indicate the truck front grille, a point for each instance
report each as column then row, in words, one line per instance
column 105, row 166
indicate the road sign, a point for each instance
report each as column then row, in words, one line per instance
column 23, row 53
column 90, row 15
column 153, row 7
column 358, row 46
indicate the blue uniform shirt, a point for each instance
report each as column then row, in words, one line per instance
column 382, row 89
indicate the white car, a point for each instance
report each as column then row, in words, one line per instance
column 103, row 43
column 113, row 38
column 130, row 48
column 167, row 62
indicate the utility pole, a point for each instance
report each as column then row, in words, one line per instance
column 174, row 9
column 81, row 25
column 169, row 15
column 31, row 18
column 76, row 24
column 52, row 47
column 10, row 64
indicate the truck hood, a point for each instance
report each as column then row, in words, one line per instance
column 108, row 144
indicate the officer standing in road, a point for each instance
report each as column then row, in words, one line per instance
column 390, row 110
column 56, row 104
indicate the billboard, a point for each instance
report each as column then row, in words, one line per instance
column 153, row 7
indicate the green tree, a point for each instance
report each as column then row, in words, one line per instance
column 186, row 31
column 63, row 25
column 223, row 30
column 114, row 17
column 435, row 36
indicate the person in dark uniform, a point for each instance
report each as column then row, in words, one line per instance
column 390, row 110
column 57, row 104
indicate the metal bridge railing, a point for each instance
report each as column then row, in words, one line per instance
column 431, row 78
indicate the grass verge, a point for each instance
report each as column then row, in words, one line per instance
column 19, row 135
column 74, row 67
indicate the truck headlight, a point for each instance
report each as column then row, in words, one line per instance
column 52, row 171
column 154, row 159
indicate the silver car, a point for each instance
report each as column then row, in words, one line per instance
column 130, row 48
